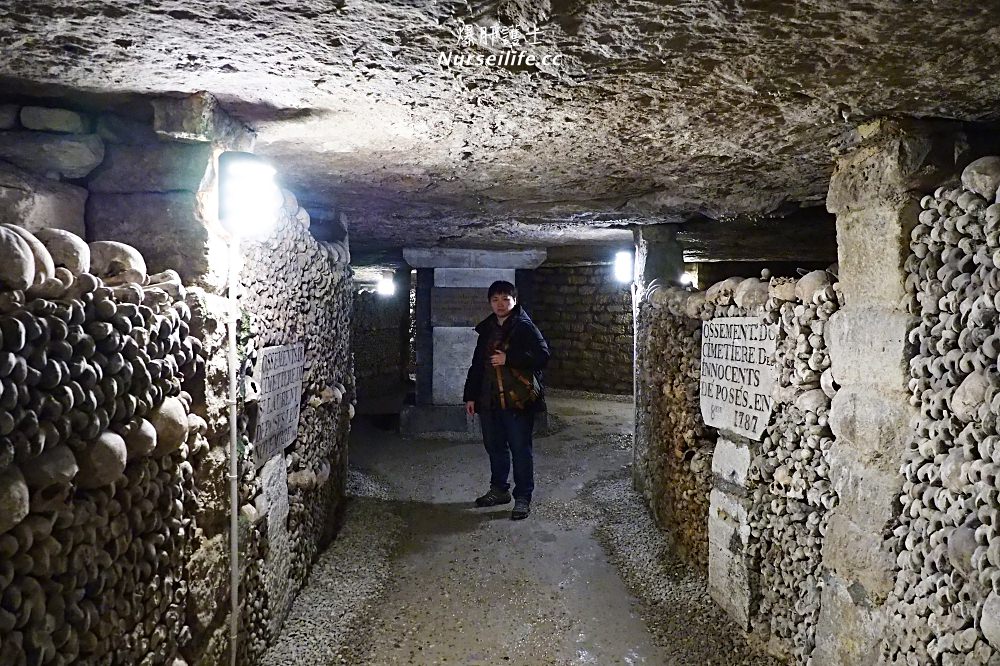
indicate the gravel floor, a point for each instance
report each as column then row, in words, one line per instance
column 675, row 603
column 330, row 619
column 418, row 577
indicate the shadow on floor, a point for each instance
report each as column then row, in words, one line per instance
column 442, row 518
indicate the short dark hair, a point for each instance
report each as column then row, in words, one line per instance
column 502, row 287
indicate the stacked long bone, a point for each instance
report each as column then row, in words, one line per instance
column 946, row 602
column 677, row 466
column 93, row 439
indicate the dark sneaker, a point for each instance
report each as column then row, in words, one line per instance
column 522, row 508
column 494, row 497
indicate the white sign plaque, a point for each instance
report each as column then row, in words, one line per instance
column 737, row 374
column 279, row 375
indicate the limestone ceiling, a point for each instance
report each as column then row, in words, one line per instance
column 656, row 111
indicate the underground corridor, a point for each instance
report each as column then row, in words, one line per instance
column 524, row 332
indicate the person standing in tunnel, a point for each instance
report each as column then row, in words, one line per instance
column 504, row 386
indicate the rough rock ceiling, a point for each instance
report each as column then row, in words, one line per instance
column 657, row 111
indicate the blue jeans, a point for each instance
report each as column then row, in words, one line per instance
column 507, row 435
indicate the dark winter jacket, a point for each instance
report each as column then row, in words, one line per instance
column 527, row 351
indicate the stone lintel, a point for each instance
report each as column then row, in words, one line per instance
column 472, row 277
column 199, row 118
column 430, row 257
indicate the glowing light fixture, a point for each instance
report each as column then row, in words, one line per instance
column 623, row 266
column 249, row 199
column 687, row 279
column 386, row 286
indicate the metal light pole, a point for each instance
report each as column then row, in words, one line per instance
column 249, row 201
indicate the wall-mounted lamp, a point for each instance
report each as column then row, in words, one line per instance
column 249, row 204
column 623, row 266
column 687, row 279
column 249, row 199
column 386, row 285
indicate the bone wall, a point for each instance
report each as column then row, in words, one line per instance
column 587, row 319
column 114, row 500
column 753, row 512
column 791, row 493
column 675, row 469
column 294, row 289
column 945, row 603
column 97, row 452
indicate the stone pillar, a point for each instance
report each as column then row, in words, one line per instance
column 657, row 255
column 424, row 332
column 874, row 192
column 524, row 279
column 451, row 299
column 732, row 581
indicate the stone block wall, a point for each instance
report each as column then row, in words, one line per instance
column 586, row 316
column 875, row 192
column 380, row 334
column 114, row 501
column 44, row 155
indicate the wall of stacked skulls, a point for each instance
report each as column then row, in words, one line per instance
column 114, row 501
column 946, row 599
column 789, row 481
column 785, row 492
column 96, row 480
